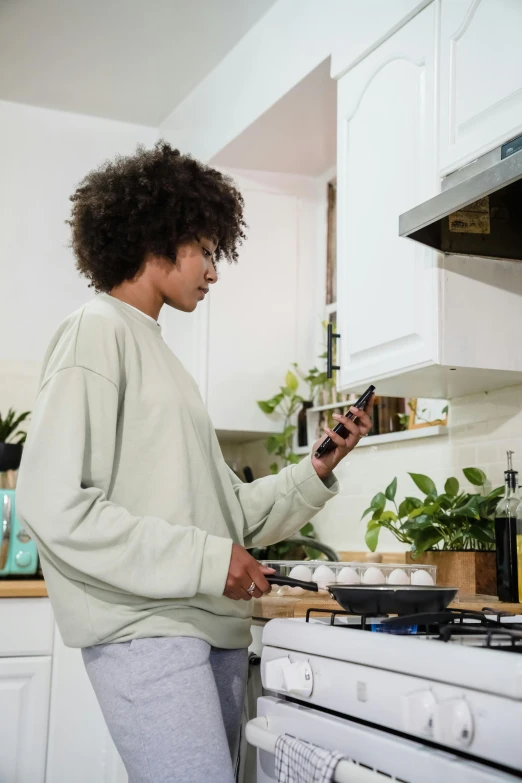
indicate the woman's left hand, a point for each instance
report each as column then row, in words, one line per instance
column 325, row 464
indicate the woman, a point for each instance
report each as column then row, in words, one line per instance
column 142, row 529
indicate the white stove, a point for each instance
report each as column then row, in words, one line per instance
column 444, row 689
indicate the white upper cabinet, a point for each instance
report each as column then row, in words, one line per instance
column 387, row 286
column 256, row 306
column 480, row 78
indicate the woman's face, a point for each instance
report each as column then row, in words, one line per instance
column 186, row 282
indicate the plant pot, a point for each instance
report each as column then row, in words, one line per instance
column 471, row 572
column 10, row 456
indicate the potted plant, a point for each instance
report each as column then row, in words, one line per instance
column 285, row 402
column 453, row 530
column 11, row 440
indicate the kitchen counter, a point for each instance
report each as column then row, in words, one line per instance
column 22, row 588
column 271, row 606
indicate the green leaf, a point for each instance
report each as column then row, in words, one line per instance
column 387, row 515
column 495, row 493
column 471, row 508
column 368, row 511
column 289, row 431
column 378, row 501
column 293, row 459
column 424, row 483
column 372, row 538
column 427, row 539
column 475, row 476
column 391, row 490
column 377, row 514
column 451, row 487
column 274, row 468
column 415, row 513
column 291, row 381
column 445, row 410
column 405, row 507
column 307, row 530
column 272, row 444
column 481, row 535
column 415, row 502
column 266, row 406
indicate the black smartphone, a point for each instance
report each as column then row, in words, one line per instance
column 328, row 444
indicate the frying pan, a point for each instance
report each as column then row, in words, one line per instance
column 379, row 599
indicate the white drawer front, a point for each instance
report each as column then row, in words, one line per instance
column 26, row 627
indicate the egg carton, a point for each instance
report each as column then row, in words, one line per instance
column 352, row 573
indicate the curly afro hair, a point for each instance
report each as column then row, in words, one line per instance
column 150, row 202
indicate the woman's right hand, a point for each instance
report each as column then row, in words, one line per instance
column 243, row 571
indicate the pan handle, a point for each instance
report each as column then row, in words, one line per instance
column 279, row 579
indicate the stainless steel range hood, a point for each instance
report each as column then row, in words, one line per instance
column 479, row 212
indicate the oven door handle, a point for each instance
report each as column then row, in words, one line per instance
column 260, row 737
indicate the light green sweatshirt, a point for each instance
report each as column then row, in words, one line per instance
column 124, row 488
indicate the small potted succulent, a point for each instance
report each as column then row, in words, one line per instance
column 453, row 530
column 11, row 440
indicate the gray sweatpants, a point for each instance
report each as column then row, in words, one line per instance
column 172, row 705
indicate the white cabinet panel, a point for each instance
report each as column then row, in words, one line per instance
column 480, row 78
column 186, row 336
column 253, row 315
column 80, row 746
column 26, row 627
column 387, row 286
column 24, row 707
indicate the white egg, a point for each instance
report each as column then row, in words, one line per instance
column 373, row 576
column 421, row 577
column 398, row 577
column 323, row 576
column 348, row 576
column 301, row 572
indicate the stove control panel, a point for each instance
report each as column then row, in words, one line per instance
column 454, row 725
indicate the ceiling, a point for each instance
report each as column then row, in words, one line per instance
column 297, row 135
column 131, row 60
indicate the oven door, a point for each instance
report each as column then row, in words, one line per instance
column 373, row 756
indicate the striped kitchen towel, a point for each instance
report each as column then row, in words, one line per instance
column 300, row 762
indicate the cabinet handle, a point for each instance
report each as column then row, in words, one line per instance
column 329, row 352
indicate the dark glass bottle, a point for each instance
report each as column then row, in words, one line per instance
column 506, row 537
column 302, row 428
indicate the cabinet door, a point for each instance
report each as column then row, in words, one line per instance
column 480, row 78
column 24, row 709
column 253, row 316
column 387, row 286
column 80, row 746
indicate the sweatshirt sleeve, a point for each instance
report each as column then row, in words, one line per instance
column 62, row 499
column 275, row 507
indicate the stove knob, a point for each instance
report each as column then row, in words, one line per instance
column 454, row 724
column 419, row 713
column 299, row 678
column 273, row 674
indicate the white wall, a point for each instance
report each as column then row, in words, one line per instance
column 43, row 156
column 288, row 42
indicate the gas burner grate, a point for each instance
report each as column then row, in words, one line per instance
column 451, row 625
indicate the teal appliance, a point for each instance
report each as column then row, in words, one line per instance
column 18, row 553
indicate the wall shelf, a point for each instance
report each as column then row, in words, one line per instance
column 393, row 437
